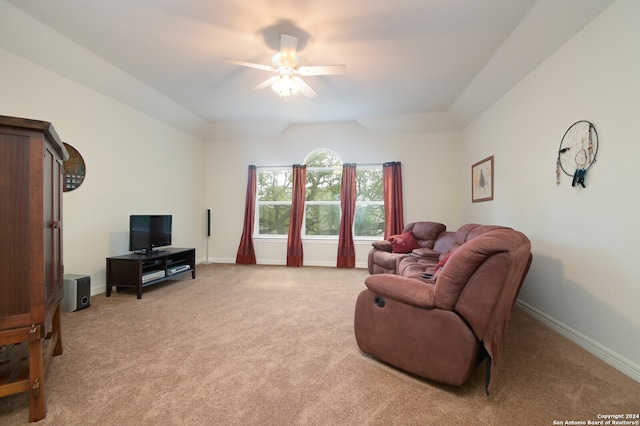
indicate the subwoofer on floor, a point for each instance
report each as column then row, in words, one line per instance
column 77, row 292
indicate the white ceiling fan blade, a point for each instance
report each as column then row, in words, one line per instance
column 268, row 82
column 305, row 88
column 323, row 70
column 250, row 64
column 288, row 47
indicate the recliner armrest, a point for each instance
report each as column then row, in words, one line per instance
column 406, row 290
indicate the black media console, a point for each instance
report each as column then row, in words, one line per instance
column 142, row 270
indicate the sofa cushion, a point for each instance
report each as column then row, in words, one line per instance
column 403, row 243
column 412, row 266
column 426, row 252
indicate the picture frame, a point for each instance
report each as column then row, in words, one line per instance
column 482, row 180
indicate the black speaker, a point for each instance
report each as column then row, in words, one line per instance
column 77, row 292
column 208, row 222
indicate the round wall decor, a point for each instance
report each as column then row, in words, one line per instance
column 577, row 152
column 74, row 169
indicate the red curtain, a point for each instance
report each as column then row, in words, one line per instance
column 393, row 210
column 294, row 242
column 246, row 254
column 346, row 249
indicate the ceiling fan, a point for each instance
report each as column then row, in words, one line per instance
column 289, row 67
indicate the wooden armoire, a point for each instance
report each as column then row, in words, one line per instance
column 31, row 278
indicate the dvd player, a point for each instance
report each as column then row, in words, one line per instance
column 152, row 275
column 177, row 269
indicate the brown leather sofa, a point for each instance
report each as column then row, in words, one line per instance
column 384, row 260
column 441, row 328
column 433, row 243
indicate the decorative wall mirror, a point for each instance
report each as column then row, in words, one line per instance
column 74, row 169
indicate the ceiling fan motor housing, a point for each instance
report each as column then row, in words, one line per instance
column 289, row 61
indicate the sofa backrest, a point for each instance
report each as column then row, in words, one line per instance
column 449, row 241
column 462, row 234
column 425, row 233
column 478, row 230
column 446, row 240
column 481, row 279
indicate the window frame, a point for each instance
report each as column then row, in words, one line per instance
column 305, row 237
column 335, row 168
column 256, row 218
column 361, row 203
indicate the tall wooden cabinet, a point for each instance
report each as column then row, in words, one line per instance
column 31, row 278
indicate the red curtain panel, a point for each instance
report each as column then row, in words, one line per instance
column 346, row 249
column 393, row 210
column 294, row 242
column 246, row 254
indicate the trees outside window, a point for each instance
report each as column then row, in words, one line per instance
column 322, row 204
column 273, row 201
column 369, row 217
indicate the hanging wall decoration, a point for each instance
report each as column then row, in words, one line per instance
column 577, row 152
column 482, row 180
column 74, row 169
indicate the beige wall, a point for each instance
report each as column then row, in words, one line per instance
column 586, row 268
column 135, row 165
column 426, row 169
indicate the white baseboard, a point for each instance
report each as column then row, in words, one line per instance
column 612, row 358
column 328, row 264
column 98, row 289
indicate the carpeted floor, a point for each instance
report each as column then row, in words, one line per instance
column 272, row 345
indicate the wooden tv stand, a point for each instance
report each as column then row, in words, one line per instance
column 142, row 270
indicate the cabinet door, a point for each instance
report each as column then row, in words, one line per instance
column 52, row 195
column 15, row 296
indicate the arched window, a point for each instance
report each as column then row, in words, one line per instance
column 322, row 203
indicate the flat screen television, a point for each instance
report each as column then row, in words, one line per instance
column 149, row 231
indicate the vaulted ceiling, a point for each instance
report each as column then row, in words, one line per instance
column 419, row 64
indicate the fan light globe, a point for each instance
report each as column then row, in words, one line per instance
column 285, row 86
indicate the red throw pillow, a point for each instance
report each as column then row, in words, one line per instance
column 403, row 243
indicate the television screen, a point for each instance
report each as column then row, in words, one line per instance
column 149, row 231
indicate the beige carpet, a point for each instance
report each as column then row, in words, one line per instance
column 271, row 345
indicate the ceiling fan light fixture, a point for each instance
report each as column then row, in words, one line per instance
column 285, row 86
column 289, row 68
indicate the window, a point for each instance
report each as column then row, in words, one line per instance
column 273, row 201
column 369, row 217
column 322, row 203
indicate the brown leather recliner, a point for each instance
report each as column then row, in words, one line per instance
column 441, row 330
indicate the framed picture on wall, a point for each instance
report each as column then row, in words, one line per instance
column 482, row 180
